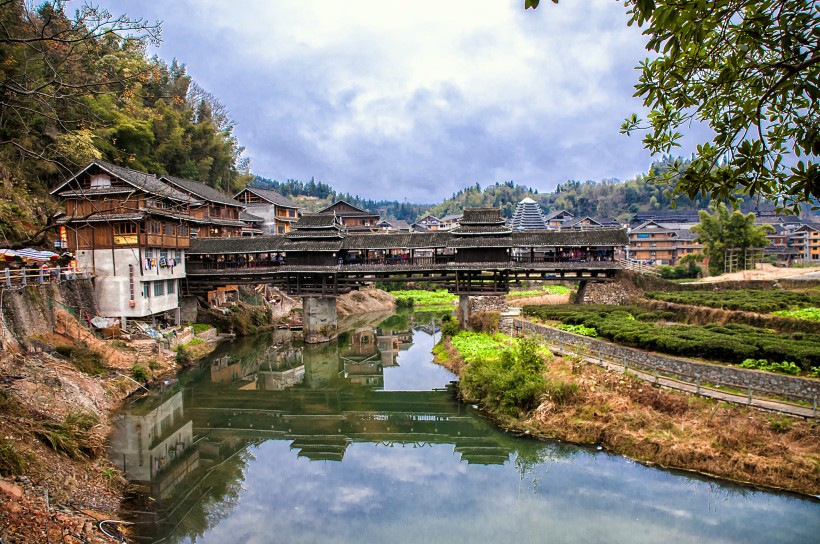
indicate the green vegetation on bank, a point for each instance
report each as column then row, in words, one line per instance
column 747, row 300
column 656, row 331
column 419, row 298
column 545, row 290
column 503, row 374
column 810, row 314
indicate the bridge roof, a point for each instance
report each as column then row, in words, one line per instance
column 411, row 240
column 575, row 238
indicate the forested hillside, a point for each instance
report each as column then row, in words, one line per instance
column 78, row 87
column 315, row 195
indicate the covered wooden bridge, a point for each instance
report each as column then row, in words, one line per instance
column 320, row 260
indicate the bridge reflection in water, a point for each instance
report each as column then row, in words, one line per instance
column 320, row 398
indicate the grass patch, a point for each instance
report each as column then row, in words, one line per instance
column 416, row 298
column 86, row 360
column 201, row 327
column 810, row 314
column 545, row 290
column 12, row 460
column 76, row 437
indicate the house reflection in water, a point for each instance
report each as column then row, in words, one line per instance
column 153, row 443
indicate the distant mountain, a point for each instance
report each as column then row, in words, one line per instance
column 608, row 198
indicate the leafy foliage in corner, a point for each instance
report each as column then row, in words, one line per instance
column 78, row 86
column 749, row 69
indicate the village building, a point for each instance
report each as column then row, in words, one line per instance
column 661, row 243
column 279, row 213
column 218, row 217
column 253, row 225
column 132, row 230
column 557, row 218
column 806, row 240
column 352, row 217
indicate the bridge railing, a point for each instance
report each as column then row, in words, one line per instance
column 15, row 277
column 547, row 258
column 197, row 267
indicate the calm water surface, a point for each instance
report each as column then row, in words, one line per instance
column 363, row 441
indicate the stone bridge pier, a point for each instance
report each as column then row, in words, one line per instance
column 319, row 320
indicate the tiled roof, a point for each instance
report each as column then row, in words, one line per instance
column 249, row 217
column 378, row 241
column 244, row 244
column 556, row 213
column 477, row 230
column 576, row 222
column 317, row 221
column 474, row 216
column 556, row 238
column 271, row 196
column 141, row 180
column 478, row 242
column 358, row 210
column 101, row 216
column 313, row 245
column 414, row 240
column 204, row 192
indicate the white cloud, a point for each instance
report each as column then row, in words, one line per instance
column 416, row 98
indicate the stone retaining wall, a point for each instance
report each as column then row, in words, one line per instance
column 805, row 389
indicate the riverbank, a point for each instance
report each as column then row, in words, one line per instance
column 56, row 398
column 664, row 428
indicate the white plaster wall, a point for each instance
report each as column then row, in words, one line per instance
column 111, row 283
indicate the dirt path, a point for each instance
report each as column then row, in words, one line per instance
column 763, row 272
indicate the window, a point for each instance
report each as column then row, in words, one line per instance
column 146, row 289
column 99, row 181
column 159, row 288
column 291, row 213
column 163, row 254
column 280, row 230
column 125, row 228
column 171, row 284
column 167, row 228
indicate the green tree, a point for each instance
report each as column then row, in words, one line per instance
column 722, row 230
column 749, row 70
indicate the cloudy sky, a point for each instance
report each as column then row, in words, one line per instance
column 415, row 100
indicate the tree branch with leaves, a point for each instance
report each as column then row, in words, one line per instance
column 750, row 71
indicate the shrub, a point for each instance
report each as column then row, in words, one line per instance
column 140, row 373
column 578, row 329
column 183, row 356
column 780, row 424
column 561, row 392
column 511, row 381
column 450, row 328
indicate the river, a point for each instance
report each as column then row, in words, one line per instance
column 364, row 441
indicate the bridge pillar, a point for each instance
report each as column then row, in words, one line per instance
column 319, row 319
column 463, row 310
column 579, row 295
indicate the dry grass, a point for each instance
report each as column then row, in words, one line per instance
column 675, row 430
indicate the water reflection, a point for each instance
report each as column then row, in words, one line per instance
column 360, row 440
